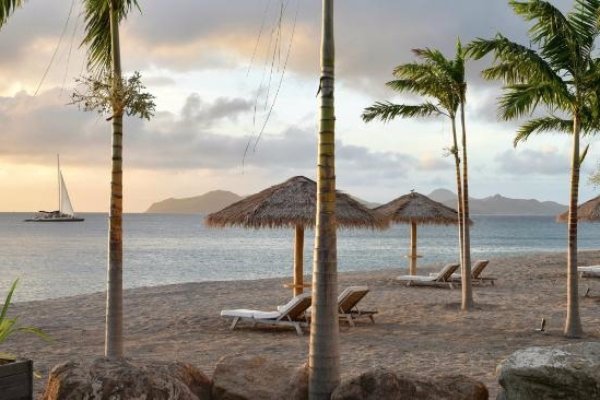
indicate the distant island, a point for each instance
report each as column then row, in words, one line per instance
column 205, row 204
column 494, row 205
column 500, row 205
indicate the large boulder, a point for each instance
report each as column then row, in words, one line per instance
column 570, row 371
column 248, row 377
column 103, row 379
column 382, row 383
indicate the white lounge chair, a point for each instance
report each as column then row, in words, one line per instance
column 348, row 304
column 291, row 314
column 440, row 279
column 476, row 271
column 592, row 271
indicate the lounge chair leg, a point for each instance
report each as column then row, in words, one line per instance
column 350, row 320
column 298, row 329
column 234, row 323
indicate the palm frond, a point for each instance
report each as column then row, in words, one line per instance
column 521, row 99
column 97, row 30
column 386, row 111
column 542, row 125
column 7, row 7
column 433, row 57
column 458, row 66
column 583, row 154
column 585, row 22
column 549, row 20
column 414, row 70
column 514, row 63
column 552, row 31
column 425, row 86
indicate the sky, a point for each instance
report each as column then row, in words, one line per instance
column 223, row 70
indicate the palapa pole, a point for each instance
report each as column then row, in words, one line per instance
column 413, row 249
column 299, row 260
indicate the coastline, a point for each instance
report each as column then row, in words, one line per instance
column 417, row 330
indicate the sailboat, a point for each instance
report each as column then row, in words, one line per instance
column 65, row 211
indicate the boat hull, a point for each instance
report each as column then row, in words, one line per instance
column 55, row 220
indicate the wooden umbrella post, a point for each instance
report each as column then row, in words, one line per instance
column 413, row 249
column 299, row 260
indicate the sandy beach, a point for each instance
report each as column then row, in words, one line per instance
column 417, row 330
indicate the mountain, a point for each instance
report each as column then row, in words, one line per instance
column 368, row 204
column 500, row 205
column 443, row 196
column 204, row 204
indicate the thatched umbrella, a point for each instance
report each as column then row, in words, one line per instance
column 587, row 212
column 413, row 209
column 293, row 204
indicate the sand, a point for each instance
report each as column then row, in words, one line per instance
column 417, row 330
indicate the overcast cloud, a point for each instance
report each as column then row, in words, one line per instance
column 206, row 65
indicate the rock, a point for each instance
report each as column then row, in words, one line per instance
column 247, row 377
column 375, row 384
column 455, row 387
column 382, row 383
column 299, row 383
column 570, row 371
column 123, row 379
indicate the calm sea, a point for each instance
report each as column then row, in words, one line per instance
column 55, row 260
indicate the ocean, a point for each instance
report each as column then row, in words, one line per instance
column 64, row 259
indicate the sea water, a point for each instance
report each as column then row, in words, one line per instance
column 64, row 259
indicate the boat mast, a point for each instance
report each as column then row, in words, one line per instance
column 58, row 175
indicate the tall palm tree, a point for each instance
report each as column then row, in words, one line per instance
column 440, row 79
column 561, row 74
column 7, row 7
column 460, row 86
column 324, row 356
column 104, row 55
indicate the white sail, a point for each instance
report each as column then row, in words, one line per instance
column 65, row 201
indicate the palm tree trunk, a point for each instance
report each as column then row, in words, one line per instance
column 114, row 296
column 324, row 357
column 467, row 290
column 573, row 327
column 458, row 190
column 298, row 260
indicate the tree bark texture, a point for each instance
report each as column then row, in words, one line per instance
column 324, row 357
column 114, row 294
column 573, row 328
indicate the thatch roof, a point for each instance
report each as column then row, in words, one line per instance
column 415, row 207
column 292, row 203
column 588, row 212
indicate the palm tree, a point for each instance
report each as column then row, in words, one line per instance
column 104, row 55
column 460, row 86
column 7, row 7
column 442, row 80
column 324, row 357
column 561, row 74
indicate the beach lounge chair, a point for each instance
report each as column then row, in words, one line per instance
column 592, row 271
column 476, row 271
column 348, row 304
column 291, row 314
column 441, row 279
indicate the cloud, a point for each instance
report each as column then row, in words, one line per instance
column 428, row 162
column 196, row 111
column 188, row 35
column 33, row 128
column 525, row 162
